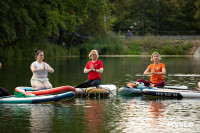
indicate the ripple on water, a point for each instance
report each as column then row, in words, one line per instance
column 154, row 116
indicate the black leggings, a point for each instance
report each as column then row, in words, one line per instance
column 95, row 82
column 3, row 92
column 89, row 83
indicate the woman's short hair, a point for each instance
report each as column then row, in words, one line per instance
column 95, row 53
column 153, row 54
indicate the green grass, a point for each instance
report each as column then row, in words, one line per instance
column 111, row 45
column 120, row 46
column 50, row 50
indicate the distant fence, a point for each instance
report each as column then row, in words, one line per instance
column 173, row 37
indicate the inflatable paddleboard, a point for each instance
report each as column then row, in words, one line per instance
column 37, row 99
column 135, row 89
column 171, row 93
column 101, row 91
column 127, row 91
column 28, row 91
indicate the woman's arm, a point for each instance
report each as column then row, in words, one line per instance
column 160, row 73
column 147, row 72
column 86, row 70
column 50, row 69
column 99, row 70
column 33, row 69
column 96, row 70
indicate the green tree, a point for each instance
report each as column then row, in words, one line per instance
column 175, row 16
column 197, row 14
column 136, row 15
column 24, row 22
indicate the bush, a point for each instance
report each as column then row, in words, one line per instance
column 9, row 53
column 134, row 49
column 111, row 45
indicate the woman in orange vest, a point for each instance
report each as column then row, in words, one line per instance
column 156, row 70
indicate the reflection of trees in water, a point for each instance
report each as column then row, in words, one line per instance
column 14, row 118
column 156, row 109
column 93, row 115
column 27, row 117
column 35, row 118
column 65, row 118
column 136, row 115
column 41, row 118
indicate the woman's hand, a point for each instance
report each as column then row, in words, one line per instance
column 43, row 66
column 153, row 72
column 159, row 73
column 92, row 67
column 48, row 68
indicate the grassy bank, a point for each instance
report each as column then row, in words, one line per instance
column 121, row 46
column 111, row 45
column 28, row 51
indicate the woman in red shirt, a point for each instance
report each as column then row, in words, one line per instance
column 156, row 70
column 94, row 67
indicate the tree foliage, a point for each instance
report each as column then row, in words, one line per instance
column 24, row 22
column 197, row 14
column 168, row 16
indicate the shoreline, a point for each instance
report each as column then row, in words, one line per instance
column 145, row 55
column 109, row 56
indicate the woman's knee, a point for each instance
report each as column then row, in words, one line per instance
column 146, row 83
column 139, row 80
column 96, row 83
column 47, row 85
column 88, row 81
column 37, row 85
column 198, row 84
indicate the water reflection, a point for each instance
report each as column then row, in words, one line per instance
column 118, row 71
column 41, row 118
column 156, row 110
column 120, row 114
column 94, row 115
column 33, row 118
column 155, row 115
column 14, row 118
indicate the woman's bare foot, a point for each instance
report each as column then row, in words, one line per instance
column 151, row 85
column 197, row 89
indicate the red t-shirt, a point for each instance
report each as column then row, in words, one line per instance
column 92, row 75
column 155, row 78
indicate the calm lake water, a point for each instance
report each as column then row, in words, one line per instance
column 114, row 114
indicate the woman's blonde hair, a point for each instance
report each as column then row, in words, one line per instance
column 95, row 53
column 153, row 54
